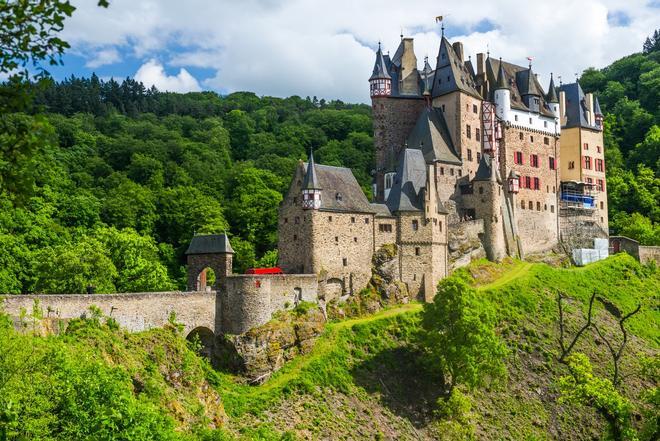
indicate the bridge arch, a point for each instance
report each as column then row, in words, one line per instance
column 206, row 338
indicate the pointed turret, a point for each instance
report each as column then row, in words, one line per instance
column 380, row 81
column 502, row 83
column 598, row 114
column 311, row 189
column 552, row 97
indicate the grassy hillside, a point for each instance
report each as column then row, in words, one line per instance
column 365, row 378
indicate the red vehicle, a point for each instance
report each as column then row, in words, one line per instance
column 274, row 270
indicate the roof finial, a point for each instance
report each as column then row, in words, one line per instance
column 401, row 35
column 560, row 83
column 487, row 50
column 530, row 58
column 379, row 45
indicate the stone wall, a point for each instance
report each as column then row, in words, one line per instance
column 251, row 300
column 642, row 253
column 343, row 248
column 294, row 230
column 393, row 120
column 135, row 311
column 537, row 222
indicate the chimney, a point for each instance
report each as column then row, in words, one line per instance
column 481, row 63
column 562, row 106
column 458, row 48
column 589, row 101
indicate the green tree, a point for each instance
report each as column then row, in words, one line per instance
column 72, row 267
column 459, row 338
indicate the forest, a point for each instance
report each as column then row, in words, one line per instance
column 113, row 179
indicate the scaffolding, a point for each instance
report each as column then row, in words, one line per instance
column 578, row 203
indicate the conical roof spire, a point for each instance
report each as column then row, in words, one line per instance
column 551, row 97
column 311, row 181
column 380, row 70
column 501, row 78
column 529, row 87
column 597, row 110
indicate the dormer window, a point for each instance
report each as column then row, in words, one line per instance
column 338, row 196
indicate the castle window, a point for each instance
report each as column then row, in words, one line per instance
column 297, row 220
column 586, row 146
column 451, row 171
column 440, row 225
column 530, row 120
column 336, row 238
column 515, row 117
column 385, row 228
column 355, row 239
column 481, row 190
column 478, row 156
column 538, row 206
column 520, row 134
column 477, row 134
column 545, row 207
column 545, row 123
column 598, row 148
column 417, row 251
column 528, row 182
column 522, row 204
column 286, row 220
column 599, row 165
column 468, row 131
column 553, row 189
column 546, row 140
column 518, row 158
column 366, row 220
column 329, row 218
column 600, row 185
column 338, row 196
column 552, row 208
column 601, row 219
column 344, row 261
column 571, row 165
column 414, row 277
column 415, row 225
column 531, row 137
column 602, row 205
column 442, row 170
column 352, row 220
column 531, row 205
column 295, row 237
column 469, row 152
column 460, row 172
column 587, row 162
column 443, row 107
column 534, row 160
column 551, row 160
column 474, row 108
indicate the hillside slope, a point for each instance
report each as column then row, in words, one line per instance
column 365, row 378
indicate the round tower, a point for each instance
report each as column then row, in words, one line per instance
column 488, row 206
column 502, row 95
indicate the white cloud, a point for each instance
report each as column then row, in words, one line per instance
column 104, row 57
column 152, row 73
column 316, row 47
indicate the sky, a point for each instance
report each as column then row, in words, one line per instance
column 326, row 48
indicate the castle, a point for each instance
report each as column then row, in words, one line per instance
column 481, row 150
column 472, row 160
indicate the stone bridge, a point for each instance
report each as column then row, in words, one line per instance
column 243, row 302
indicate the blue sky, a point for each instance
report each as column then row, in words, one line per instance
column 312, row 47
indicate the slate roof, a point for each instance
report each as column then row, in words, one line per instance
column 502, row 82
column 209, row 244
column 380, row 210
column 380, row 67
column 406, row 193
column 520, row 83
column 597, row 110
column 431, row 136
column 341, row 191
column 485, row 170
column 311, row 181
column 460, row 77
column 552, row 97
column 576, row 106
